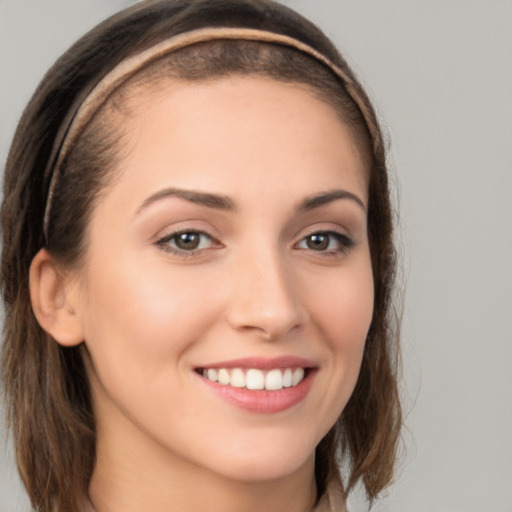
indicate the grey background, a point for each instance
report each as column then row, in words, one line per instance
column 440, row 72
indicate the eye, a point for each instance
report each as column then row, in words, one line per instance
column 326, row 241
column 186, row 242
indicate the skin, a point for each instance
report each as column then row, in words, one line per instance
column 255, row 288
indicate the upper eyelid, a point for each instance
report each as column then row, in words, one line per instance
column 330, row 232
column 186, row 226
column 170, row 235
column 323, row 227
column 179, row 231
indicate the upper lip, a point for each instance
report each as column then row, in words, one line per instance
column 262, row 363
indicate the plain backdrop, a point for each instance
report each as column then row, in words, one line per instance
column 440, row 73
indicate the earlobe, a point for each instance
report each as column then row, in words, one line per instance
column 52, row 302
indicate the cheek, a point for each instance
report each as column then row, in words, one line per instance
column 342, row 309
column 140, row 319
column 344, row 305
column 340, row 305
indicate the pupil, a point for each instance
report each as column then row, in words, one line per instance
column 318, row 242
column 187, row 240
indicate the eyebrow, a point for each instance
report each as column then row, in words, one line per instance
column 207, row 199
column 324, row 198
column 220, row 202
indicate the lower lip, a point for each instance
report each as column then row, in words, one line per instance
column 263, row 401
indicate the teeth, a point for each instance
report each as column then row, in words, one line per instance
column 223, row 376
column 274, row 380
column 253, row 378
column 298, row 375
column 237, row 379
column 212, row 374
column 287, row 378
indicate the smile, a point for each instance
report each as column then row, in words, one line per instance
column 255, row 379
column 260, row 385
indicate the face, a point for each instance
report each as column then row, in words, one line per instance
column 227, row 290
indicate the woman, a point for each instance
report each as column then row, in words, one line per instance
column 197, row 269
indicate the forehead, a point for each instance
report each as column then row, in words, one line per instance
column 265, row 145
column 249, row 107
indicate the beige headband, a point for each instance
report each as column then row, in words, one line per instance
column 91, row 101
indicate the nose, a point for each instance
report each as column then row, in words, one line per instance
column 265, row 298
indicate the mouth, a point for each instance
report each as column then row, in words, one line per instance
column 260, row 385
column 256, row 379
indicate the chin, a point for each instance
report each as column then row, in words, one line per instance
column 263, row 463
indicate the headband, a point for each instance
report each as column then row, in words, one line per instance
column 90, row 101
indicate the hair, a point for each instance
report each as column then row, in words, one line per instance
column 47, row 395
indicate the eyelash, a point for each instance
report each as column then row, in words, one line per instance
column 167, row 239
column 343, row 243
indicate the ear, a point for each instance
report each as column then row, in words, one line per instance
column 53, row 296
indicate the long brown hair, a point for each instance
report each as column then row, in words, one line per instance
column 46, row 388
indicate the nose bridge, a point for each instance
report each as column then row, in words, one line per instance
column 264, row 297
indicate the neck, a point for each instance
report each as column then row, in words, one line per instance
column 198, row 494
